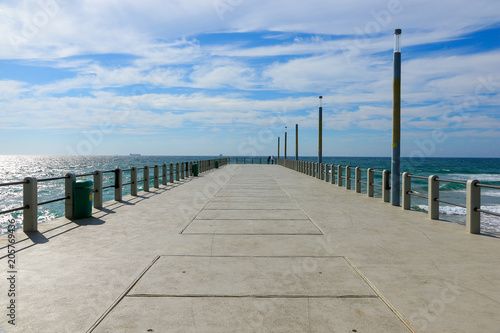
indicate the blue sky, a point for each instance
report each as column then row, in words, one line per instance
column 226, row 76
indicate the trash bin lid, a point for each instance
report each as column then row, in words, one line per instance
column 84, row 183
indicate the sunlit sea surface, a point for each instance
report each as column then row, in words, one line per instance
column 16, row 168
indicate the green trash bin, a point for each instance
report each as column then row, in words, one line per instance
column 195, row 169
column 216, row 164
column 82, row 198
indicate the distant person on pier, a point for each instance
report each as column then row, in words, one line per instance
column 272, row 159
column 268, row 159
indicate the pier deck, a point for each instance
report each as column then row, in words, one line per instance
column 254, row 248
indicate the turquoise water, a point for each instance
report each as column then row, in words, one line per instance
column 15, row 168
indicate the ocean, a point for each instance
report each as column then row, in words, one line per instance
column 16, row 168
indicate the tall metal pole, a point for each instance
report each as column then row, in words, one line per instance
column 296, row 142
column 396, row 122
column 285, row 142
column 278, row 147
column 320, row 133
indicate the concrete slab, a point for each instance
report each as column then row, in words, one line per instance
column 252, row 193
column 251, row 276
column 251, row 214
column 252, row 227
column 254, row 199
column 244, row 204
column 217, row 315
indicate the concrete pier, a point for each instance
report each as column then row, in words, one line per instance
column 253, row 248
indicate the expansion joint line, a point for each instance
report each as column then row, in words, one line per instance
column 385, row 300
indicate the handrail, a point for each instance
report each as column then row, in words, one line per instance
column 13, row 210
column 418, row 177
column 453, row 181
column 450, row 203
column 488, row 186
column 486, row 212
column 50, row 179
column 14, row 183
column 54, row 200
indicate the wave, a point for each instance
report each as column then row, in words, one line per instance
column 451, row 186
column 490, row 193
column 482, row 177
column 452, row 210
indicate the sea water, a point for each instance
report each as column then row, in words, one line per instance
column 16, row 168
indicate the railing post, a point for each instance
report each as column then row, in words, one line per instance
column 164, row 174
column 473, row 202
column 177, row 171
column 182, row 170
column 69, row 208
column 432, row 196
column 327, row 172
column 386, row 188
column 146, row 178
column 190, row 171
column 357, row 179
column 156, row 175
column 339, row 175
column 171, row 172
column 133, row 180
column 370, row 179
column 30, row 202
column 347, row 177
column 332, row 175
column 118, row 184
column 406, row 190
column 98, row 189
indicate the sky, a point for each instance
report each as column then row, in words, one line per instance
column 115, row 77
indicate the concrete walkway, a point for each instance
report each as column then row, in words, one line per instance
column 254, row 248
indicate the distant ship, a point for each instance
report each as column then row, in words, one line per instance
column 220, row 154
column 135, row 155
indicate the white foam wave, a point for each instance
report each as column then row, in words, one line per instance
column 490, row 193
column 452, row 210
column 482, row 177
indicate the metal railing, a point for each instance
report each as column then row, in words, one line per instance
column 344, row 178
column 170, row 174
column 472, row 199
column 251, row 160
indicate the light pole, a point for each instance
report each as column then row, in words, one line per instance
column 278, row 147
column 320, row 133
column 296, row 142
column 396, row 122
column 285, row 142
